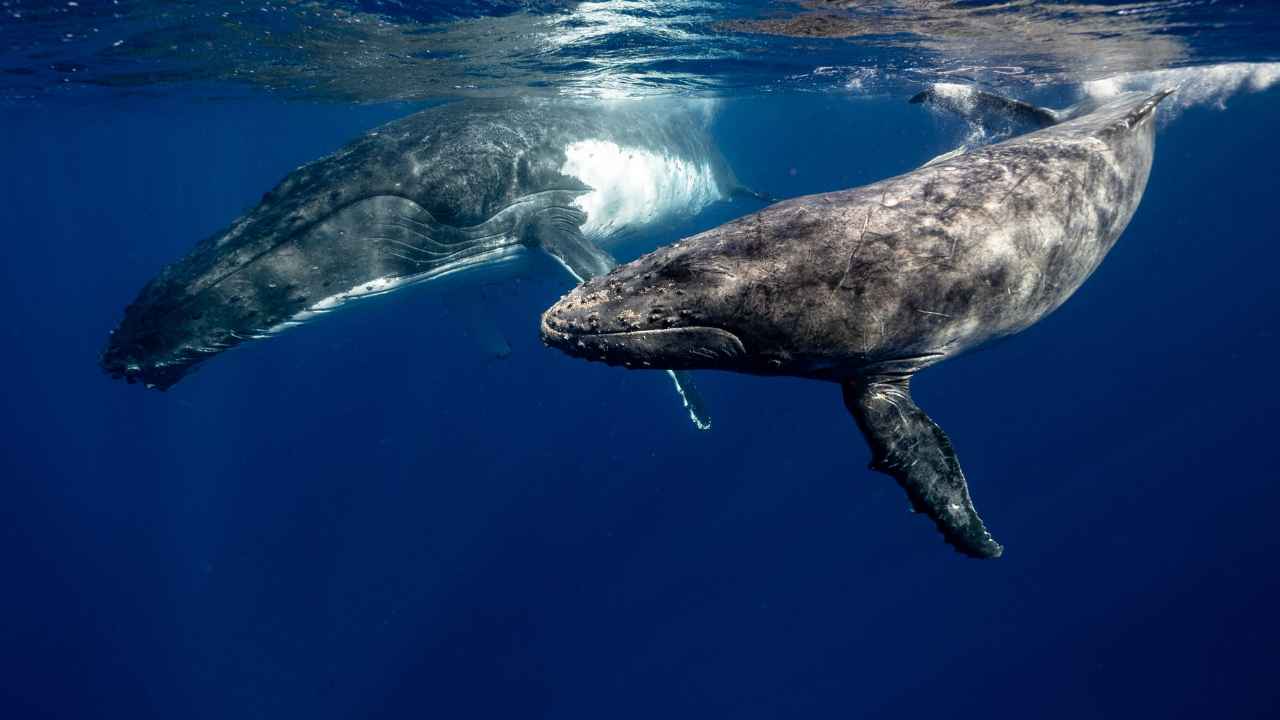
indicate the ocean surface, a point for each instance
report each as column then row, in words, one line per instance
column 376, row 516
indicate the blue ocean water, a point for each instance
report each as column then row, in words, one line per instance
column 370, row 516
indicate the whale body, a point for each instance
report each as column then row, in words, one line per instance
column 868, row 286
column 451, row 189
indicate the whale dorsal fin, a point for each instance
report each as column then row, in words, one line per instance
column 907, row 445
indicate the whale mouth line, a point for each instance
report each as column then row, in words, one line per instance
column 679, row 348
column 650, row 331
column 550, row 328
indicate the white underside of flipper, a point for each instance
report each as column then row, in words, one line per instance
column 384, row 285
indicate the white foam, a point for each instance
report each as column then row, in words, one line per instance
column 633, row 187
column 963, row 97
column 1202, row 85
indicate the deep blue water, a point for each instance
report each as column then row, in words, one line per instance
column 371, row 517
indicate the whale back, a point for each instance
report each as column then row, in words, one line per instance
column 902, row 273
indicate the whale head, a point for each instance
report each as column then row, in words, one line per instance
column 271, row 271
column 194, row 309
column 679, row 308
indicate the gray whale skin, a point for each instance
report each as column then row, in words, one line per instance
column 865, row 287
column 467, row 185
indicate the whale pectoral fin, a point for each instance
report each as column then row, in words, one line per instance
column 978, row 105
column 692, row 399
column 947, row 155
column 558, row 231
column 908, row 446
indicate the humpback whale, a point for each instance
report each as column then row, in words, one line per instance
column 467, row 185
column 866, row 287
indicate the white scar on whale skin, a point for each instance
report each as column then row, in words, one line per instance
column 633, row 187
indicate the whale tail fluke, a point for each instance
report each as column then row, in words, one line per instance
column 977, row 105
column 908, row 446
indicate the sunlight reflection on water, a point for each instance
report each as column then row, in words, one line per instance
column 609, row 48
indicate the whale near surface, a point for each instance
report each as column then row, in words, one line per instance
column 467, row 185
column 866, row 287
